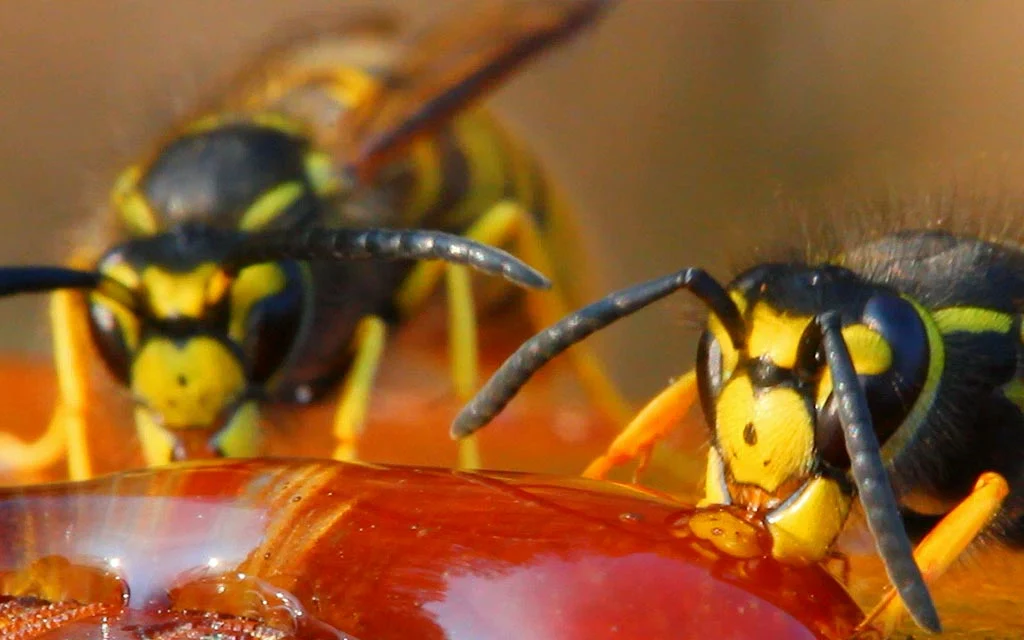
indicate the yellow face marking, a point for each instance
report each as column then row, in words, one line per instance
column 715, row 491
column 775, row 334
column 187, row 386
column 130, row 205
column 972, row 320
column 729, row 355
column 322, row 175
column 178, row 295
column 270, row 205
column 870, row 353
column 767, row 439
column 126, row 319
column 157, row 443
column 804, row 530
column 123, row 272
column 252, row 285
column 764, row 440
column 216, row 287
column 243, row 436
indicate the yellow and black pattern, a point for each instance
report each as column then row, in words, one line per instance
column 363, row 128
column 888, row 373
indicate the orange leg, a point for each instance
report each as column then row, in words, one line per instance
column 65, row 436
column 653, row 423
column 941, row 547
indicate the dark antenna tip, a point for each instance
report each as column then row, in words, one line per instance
column 506, row 382
column 872, row 480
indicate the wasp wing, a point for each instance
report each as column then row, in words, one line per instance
column 444, row 69
column 314, row 73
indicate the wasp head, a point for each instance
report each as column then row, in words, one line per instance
column 779, row 445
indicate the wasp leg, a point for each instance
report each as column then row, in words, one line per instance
column 462, row 331
column 66, row 432
column 27, row 457
column 464, row 352
column 944, row 544
column 69, row 348
column 350, row 418
column 653, row 423
column 509, row 222
column 551, row 306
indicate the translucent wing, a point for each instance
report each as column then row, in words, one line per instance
column 444, row 69
column 316, row 69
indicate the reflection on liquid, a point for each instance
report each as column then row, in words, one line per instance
column 310, row 548
column 476, row 606
column 130, row 536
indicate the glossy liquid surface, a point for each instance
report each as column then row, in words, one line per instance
column 319, row 549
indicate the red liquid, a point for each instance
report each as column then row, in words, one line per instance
column 379, row 553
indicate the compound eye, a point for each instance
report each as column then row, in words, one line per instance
column 889, row 349
column 272, row 325
column 828, row 436
column 115, row 332
column 892, row 392
column 810, row 364
column 709, row 373
column 810, row 356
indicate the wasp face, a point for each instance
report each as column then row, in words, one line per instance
column 199, row 346
column 779, row 445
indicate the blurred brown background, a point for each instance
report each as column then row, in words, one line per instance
column 669, row 118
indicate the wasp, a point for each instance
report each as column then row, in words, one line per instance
column 264, row 250
column 885, row 372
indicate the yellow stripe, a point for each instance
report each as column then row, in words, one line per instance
column 972, row 320
column 268, row 119
column 271, row 204
column 1014, row 392
column 925, row 400
column 425, row 160
column 203, row 124
column 521, row 167
column 131, row 206
column 488, row 168
column 321, row 174
column 282, row 123
column 253, row 284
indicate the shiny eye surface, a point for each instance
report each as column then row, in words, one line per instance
column 890, row 393
column 810, row 356
column 828, row 435
column 115, row 332
column 273, row 324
